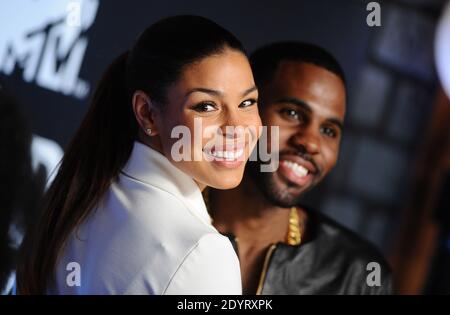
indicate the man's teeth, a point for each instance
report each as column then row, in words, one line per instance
column 297, row 168
column 228, row 155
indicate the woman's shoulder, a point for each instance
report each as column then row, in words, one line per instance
column 148, row 216
column 211, row 266
column 154, row 212
column 136, row 243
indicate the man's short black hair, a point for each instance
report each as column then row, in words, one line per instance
column 265, row 60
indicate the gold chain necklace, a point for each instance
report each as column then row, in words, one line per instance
column 294, row 237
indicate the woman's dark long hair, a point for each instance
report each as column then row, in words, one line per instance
column 21, row 187
column 104, row 141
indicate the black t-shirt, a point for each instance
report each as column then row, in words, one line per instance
column 330, row 260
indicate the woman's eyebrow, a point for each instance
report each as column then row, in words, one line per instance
column 204, row 90
column 248, row 91
column 218, row 93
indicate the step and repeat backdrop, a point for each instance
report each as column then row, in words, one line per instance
column 52, row 53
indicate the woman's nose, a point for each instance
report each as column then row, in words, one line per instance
column 233, row 125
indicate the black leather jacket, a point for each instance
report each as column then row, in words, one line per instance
column 330, row 260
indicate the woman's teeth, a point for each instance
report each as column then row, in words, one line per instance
column 227, row 155
column 296, row 168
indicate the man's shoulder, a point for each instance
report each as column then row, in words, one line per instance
column 331, row 260
column 335, row 238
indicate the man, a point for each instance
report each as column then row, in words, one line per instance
column 285, row 248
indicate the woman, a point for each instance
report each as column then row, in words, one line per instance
column 125, row 214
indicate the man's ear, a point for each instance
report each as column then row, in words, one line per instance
column 145, row 112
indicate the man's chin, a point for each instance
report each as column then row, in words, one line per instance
column 284, row 183
column 278, row 189
column 281, row 192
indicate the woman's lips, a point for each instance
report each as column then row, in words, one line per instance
column 295, row 173
column 228, row 156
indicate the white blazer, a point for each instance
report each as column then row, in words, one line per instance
column 151, row 234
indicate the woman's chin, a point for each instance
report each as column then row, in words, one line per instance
column 227, row 182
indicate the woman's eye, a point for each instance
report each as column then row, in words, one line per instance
column 329, row 132
column 248, row 103
column 205, row 107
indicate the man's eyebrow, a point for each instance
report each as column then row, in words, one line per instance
column 204, row 90
column 297, row 102
column 305, row 106
column 337, row 122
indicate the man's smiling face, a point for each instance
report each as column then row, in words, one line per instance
column 307, row 102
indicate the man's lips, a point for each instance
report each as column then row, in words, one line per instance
column 295, row 174
column 309, row 166
column 297, row 170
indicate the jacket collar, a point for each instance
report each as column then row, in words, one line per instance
column 151, row 167
column 312, row 225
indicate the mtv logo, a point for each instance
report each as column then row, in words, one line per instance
column 47, row 41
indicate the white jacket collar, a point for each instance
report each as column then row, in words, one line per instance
column 151, row 167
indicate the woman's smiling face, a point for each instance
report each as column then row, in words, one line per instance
column 211, row 94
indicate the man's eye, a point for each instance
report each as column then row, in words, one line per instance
column 290, row 113
column 330, row 132
column 205, row 107
column 248, row 103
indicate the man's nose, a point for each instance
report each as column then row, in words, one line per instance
column 308, row 140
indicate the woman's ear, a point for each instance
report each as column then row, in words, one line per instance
column 145, row 112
